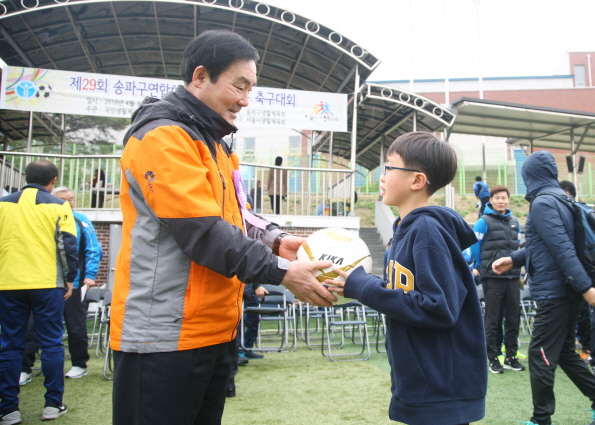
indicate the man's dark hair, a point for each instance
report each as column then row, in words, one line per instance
column 216, row 50
column 568, row 187
column 499, row 188
column 278, row 161
column 478, row 179
column 41, row 172
column 431, row 156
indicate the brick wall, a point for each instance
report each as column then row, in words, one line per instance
column 102, row 230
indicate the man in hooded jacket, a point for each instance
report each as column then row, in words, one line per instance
column 557, row 279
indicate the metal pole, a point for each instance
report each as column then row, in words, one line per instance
column 354, row 140
column 483, row 156
column 30, row 134
column 574, row 164
column 414, row 120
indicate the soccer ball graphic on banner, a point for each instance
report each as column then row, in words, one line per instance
column 343, row 247
column 43, row 90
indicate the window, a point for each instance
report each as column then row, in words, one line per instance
column 295, row 142
column 579, row 75
column 249, row 144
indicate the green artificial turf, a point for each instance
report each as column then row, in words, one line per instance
column 303, row 387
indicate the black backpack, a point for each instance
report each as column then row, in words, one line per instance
column 584, row 230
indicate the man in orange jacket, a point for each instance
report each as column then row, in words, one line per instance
column 185, row 252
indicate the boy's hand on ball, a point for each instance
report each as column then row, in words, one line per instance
column 338, row 285
column 300, row 280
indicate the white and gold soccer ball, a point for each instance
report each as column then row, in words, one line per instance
column 343, row 247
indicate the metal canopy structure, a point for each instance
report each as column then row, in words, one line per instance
column 531, row 126
column 146, row 39
column 383, row 114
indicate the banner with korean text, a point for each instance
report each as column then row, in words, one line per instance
column 80, row 93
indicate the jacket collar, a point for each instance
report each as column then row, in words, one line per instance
column 36, row 186
column 203, row 115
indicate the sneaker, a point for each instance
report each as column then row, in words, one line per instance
column 76, row 372
column 11, row 418
column 252, row 355
column 592, row 416
column 25, row 378
column 585, row 356
column 513, row 364
column 53, row 412
column 532, row 423
column 495, row 366
column 242, row 361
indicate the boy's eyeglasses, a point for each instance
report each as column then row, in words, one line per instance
column 388, row 167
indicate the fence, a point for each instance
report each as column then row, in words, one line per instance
column 95, row 181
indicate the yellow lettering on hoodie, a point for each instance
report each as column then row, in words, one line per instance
column 399, row 277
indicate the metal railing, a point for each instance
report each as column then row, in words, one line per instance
column 95, row 181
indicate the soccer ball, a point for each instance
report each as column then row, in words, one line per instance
column 343, row 247
column 43, row 90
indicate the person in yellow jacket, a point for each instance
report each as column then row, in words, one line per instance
column 38, row 264
column 186, row 252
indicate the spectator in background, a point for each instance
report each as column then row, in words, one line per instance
column 498, row 235
column 253, row 293
column 557, row 282
column 277, row 186
column 75, row 310
column 482, row 193
column 38, row 263
column 256, row 194
column 97, row 191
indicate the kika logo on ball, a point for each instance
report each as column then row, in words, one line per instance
column 348, row 253
column 333, row 258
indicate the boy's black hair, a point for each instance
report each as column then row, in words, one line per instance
column 431, row 156
column 41, row 172
column 216, row 50
column 478, row 178
column 278, row 161
column 568, row 187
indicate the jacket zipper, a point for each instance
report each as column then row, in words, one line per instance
column 224, row 187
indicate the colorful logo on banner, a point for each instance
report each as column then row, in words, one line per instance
column 28, row 87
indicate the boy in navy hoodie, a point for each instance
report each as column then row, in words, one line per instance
column 435, row 338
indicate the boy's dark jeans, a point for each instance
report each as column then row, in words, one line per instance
column 553, row 344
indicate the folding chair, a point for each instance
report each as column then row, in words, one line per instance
column 277, row 306
column 378, row 327
column 102, row 331
column 353, row 323
column 92, row 298
column 528, row 310
column 108, row 367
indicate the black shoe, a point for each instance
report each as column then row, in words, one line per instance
column 252, row 355
column 513, row 364
column 242, row 361
column 495, row 366
column 231, row 393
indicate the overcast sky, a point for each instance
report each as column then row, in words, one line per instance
column 439, row 38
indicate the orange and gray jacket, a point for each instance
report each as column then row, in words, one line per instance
column 184, row 254
column 37, row 240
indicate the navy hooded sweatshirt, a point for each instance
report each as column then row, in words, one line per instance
column 549, row 255
column 435, row 337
